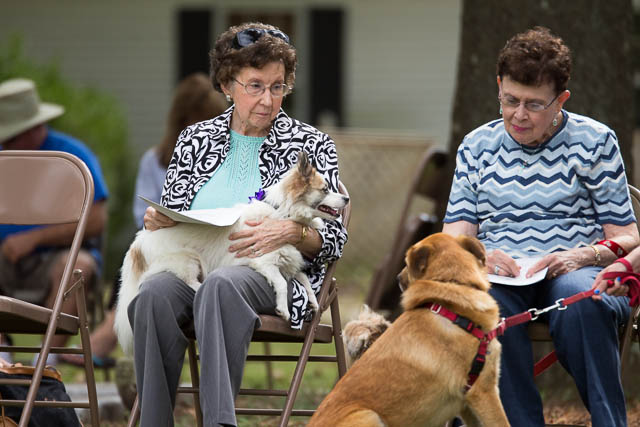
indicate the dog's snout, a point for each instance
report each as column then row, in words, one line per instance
column 403, row 279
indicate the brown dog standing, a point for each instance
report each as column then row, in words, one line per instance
column 415, row 373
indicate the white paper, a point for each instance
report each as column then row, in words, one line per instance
column 522, row 279
column 220, row 217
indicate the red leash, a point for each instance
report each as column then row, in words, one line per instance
column 628, row 278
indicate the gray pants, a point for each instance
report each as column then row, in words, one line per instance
column 224, row 311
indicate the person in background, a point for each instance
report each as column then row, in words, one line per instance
column 218, row 163
column 544, row 182
column 32, row 258
column 194, row 100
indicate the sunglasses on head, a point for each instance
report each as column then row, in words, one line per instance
column 251, row 35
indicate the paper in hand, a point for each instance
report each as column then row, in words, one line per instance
column 220, row 217
column 522, row 280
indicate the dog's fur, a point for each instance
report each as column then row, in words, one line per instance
column 192, row 251
column 415, row 373
column 360, row 333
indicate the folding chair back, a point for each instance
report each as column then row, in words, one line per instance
column 274, row 329
column 384, row 293
column 45, row 188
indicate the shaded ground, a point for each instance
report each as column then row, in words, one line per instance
column 576, row 414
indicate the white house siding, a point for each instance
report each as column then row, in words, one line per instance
column 401, row 65
column 399, row 62
column 126, row 49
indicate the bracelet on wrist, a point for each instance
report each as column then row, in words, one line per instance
column 303, row 233
column 598, row 257
column 614, row 247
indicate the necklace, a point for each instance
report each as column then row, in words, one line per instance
column 525, row 155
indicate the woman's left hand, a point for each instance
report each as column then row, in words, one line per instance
column 263, row 237
column 559, row 263
column 601, row 286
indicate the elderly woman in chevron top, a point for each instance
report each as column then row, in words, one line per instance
column 218, row 163
column 546, row 188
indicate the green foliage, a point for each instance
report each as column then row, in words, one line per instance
column 94, row 117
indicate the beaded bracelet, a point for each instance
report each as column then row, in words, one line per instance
column 598, row 257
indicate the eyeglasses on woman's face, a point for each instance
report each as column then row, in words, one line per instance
column 251, row 35
column 257, row 88
column 511, row 102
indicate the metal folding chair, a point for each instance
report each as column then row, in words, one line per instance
column 384, row 293
column 48, row 187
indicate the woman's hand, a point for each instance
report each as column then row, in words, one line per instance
column 601, row 285
column 154, row 220
column 264, row 236
column 501, row 264
column 561, row 262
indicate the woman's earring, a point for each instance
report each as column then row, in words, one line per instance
column 555, row 122
column 228, row 98
column 501, row 110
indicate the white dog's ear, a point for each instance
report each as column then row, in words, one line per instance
column 304, row 165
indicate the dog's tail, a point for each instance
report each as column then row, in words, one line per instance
column 360, row 334
column 132, row 269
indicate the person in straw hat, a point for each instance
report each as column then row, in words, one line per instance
column 32, row 257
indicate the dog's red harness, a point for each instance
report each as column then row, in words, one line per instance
column 628, row 278
column 466, row 324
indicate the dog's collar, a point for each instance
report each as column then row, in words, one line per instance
column 468, row 325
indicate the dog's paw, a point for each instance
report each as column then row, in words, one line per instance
column 283, row 313
column 313, row 302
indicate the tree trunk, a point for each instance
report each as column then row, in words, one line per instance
column 599, row 34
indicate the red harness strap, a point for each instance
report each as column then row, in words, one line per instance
column 466, row 324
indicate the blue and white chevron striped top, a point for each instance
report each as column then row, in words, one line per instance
column 531, row 201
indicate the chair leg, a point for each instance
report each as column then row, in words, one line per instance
column 337, row 337
column 195, row 380
column 88, row 358
column 299, row 371
column 135, row 413
column 268, row 365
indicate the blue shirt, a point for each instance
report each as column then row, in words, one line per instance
column 57, row 141
column 553, row 197
column 237, row 178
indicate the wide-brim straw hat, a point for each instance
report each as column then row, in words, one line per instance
column 21, row 108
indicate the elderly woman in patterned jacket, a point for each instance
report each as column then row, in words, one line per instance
column 217, row 163
column 547, row 186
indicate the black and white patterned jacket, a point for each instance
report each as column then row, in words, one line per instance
column 201, row 149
